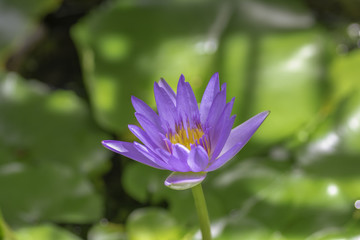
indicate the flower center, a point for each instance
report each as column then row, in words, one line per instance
column 189, row 136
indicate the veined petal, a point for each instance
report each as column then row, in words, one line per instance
column 217, row 107
column 128, row 150
column 211, row 91
column 238, row 137
column 186, row 103
column 216, row 131
column 223, row 87
column 163, row 84
column 180, row 155
column 182, row 181
column 244, row 131
column 165, row 106
column 151, row 129
column 151, row 155
column 198, row 159
column 225, row 132
column 224, row 158
column 142, row 108
column 164, row 155
column 142, row 136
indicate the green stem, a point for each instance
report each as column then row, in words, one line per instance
column 202, row 212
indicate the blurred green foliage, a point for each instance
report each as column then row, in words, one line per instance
column 298, row 177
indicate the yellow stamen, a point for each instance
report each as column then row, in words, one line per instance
column 188, row 137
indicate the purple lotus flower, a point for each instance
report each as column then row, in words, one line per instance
column 183, row 138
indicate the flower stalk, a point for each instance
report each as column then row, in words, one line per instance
column 202, row 211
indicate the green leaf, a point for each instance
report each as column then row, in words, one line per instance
column 107, row 231
column 285, row 74
column 152, row 224
column 345, row 72
column 47, row 192
column 5, row 232
column 39, row 127
column 120, row 61
column 44, row 232
column 144, row 183
column 50, row 149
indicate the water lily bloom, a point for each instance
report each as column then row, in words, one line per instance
column 184, row 137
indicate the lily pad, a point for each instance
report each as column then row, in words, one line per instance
column 5, row 232
column 123, row 60
column 153, row 224
column 42, row 232
column 107, row 231
column 50, row 149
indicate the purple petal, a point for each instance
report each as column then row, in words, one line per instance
column 211, row 91
column 223, row 87
column 142, row 108
column 217, row 128
column 180, row 155
column 238, row 137
column 142, row 136
column 165, row 106
column 128, row 150
column 182, row 181
column 198, row 159
column 151, row 129
column 163, row 84
column 216, row 109
column 186, row 103
column 151, row 155
column 225, row 132
column 164, row 155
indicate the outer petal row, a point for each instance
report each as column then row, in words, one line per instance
column 129, row 150
column 220, row 130
column 142, row 108
column 151, row 129
column 181, row 160
column 238, row 137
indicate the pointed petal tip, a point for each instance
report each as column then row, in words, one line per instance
column 184, row 180
column 162, row 81
column 116, row 146
column 105, row 142
column 112, row 145
column 132, row 127
column 215, row 76
column 134, row 100
column 182, row 78
column 214, row 79
column 265, row 114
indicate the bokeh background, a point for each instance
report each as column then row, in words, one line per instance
column 68, row 69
